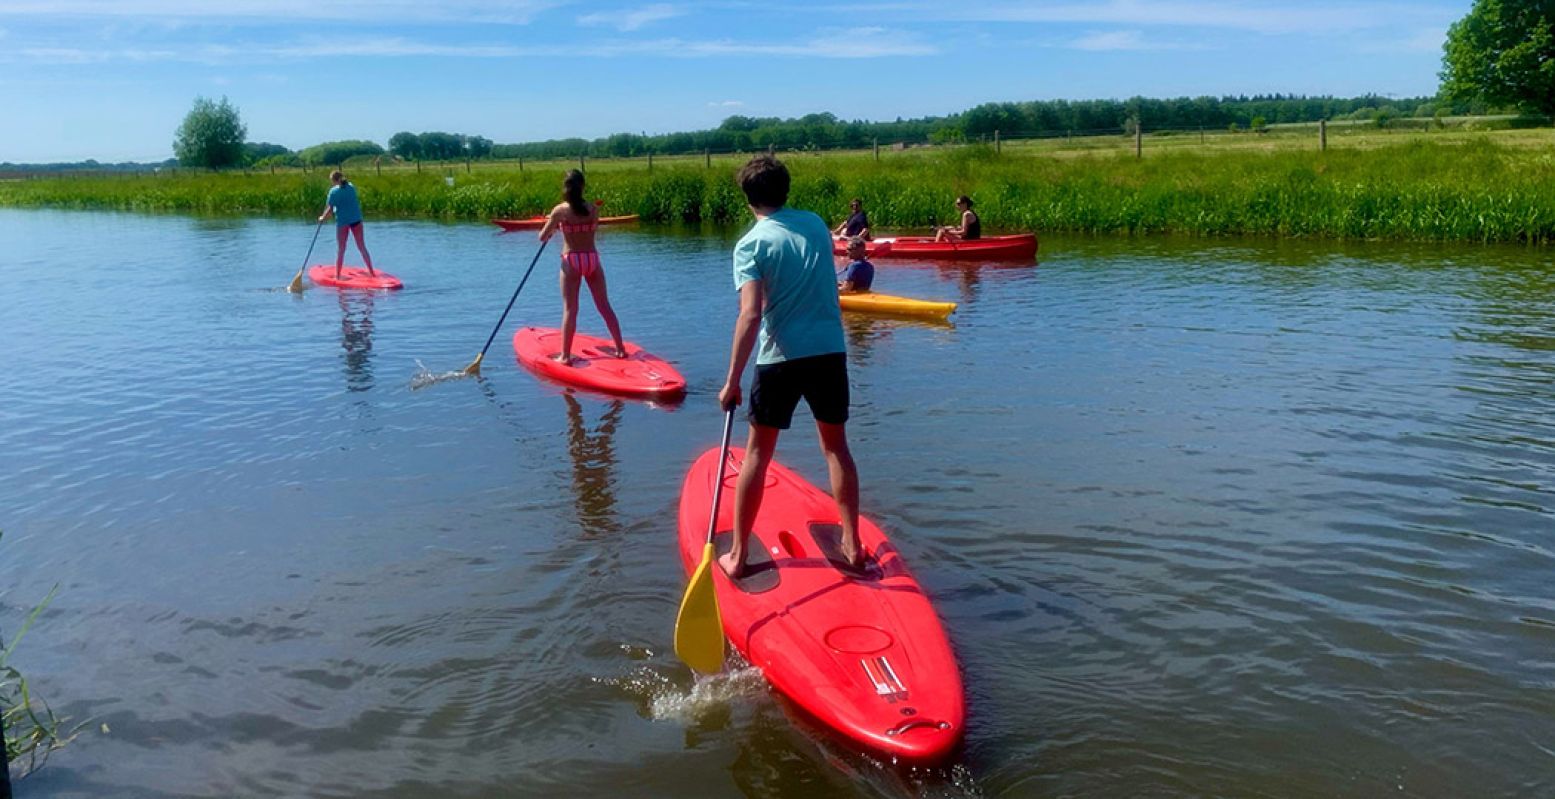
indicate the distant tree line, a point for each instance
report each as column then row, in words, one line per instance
column 1043, row 117
column 438, row 146
column 89, row 165
column 211, row 135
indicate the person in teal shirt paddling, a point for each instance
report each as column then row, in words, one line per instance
column 347, row 208
column 788, row 295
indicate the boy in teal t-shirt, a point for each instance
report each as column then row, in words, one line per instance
column 342, row 201
column 788, row 300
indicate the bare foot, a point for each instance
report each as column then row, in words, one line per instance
column 337, row 273
column 734, row 567
column 562, row 358
column 618, row 351
column 852, row 551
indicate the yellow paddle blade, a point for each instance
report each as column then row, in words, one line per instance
column 475, row 366
column 295, row 286
column 699, row 631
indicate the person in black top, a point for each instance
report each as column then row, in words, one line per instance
column 857, row 225
column 971, row 227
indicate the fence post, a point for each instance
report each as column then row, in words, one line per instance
column 1322, row 135
column 418, row 166
column 650, row 160
column 521, row 163
column 1201, row 134
column 997, row 147
column 1139, row 139
column 877, row 148
column 771, row 148
column 580, row 162
column 707, row 157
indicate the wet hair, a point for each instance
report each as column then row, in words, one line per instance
column 572, row 192
column 765, row 181
column 965, row 200
column 338, row 175
column 856, row 201
column 856, row 241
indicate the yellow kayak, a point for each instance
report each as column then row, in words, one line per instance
column 870, row 302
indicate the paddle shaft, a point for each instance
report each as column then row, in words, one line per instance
column 513, row 299
column 718, row 487
column 311, row 244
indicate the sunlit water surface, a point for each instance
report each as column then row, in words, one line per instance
column 1202, row 518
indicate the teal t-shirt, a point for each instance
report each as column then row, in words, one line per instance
column 790, row 253
column 348, row 210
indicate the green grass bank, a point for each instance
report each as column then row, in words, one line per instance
column 1412, row 188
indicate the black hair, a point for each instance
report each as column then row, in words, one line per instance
column 572, row 191
column 765, row 182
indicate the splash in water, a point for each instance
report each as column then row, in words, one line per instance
column 662, row 697
column 425, row 377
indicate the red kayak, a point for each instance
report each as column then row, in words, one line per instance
column 639, row 374
column 1022, row 246
column 537, row 222
column 352, row 277
column 862, row 652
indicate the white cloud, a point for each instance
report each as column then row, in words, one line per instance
column 74, row 55
column 725, row 103
column 1105, row 41
column 512, row 12
column 632, row 20
column 1426, row 40
column 869, row 42
column 1257, row 16
column 856, row 43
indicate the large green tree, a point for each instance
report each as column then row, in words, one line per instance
column 1503, row 53
column 211, row 135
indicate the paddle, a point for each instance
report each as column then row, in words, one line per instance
column 295, row 286
column 699, row 631
column 475, row 366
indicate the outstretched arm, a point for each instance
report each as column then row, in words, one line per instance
column 549, row 228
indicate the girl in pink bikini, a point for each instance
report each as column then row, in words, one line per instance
column 577, row 221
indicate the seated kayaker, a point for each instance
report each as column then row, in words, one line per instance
column 857, row 224
column 971, row 227
column 859, row 274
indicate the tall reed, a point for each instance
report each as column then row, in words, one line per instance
column 1474, row 190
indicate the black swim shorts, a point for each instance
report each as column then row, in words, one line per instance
column 821, row 379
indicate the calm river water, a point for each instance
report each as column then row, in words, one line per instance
column 1202, row 518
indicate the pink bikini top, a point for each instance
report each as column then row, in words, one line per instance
column 579, row 227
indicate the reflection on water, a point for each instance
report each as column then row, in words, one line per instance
column 1202, row 518
column 356, row 338
column 593, row 464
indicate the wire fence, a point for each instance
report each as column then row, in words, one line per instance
column 1138, row 140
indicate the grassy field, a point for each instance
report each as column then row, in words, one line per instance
column 1435, row 185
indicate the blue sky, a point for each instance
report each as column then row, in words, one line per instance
column 111, row 79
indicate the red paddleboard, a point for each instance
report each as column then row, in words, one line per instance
column 640, row 374
column 1019, row 247
column 352, row 277
column 862, row 652
column 537, row 222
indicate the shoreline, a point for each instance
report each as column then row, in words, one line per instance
column 1421, row 188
